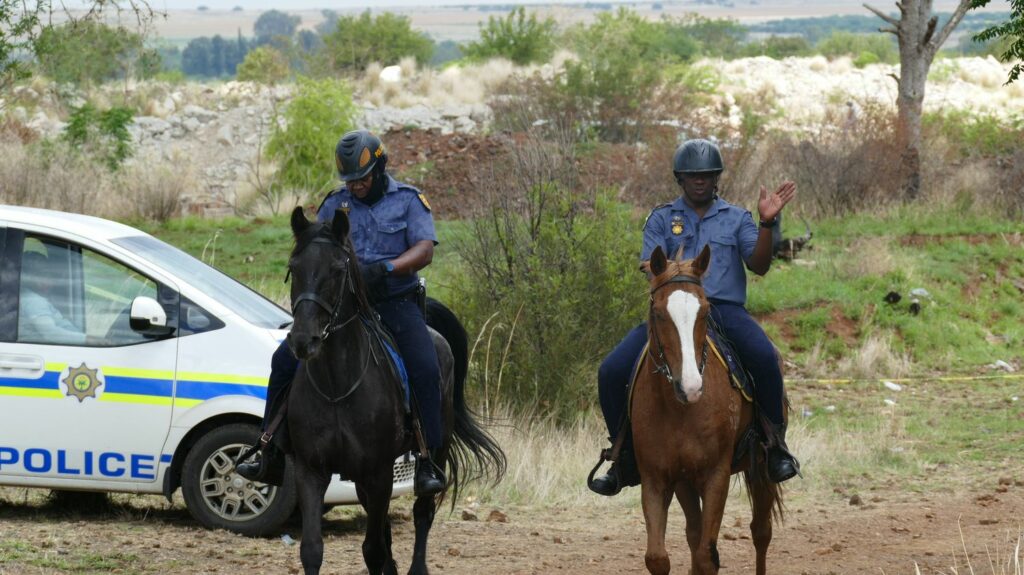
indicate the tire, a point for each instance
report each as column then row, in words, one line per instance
column 219, row 498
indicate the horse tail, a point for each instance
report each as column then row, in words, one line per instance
column 474, row 453
column 759, row 485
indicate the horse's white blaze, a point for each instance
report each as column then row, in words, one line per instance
column 683, row 308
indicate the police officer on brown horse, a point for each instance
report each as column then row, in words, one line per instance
column 697, row 218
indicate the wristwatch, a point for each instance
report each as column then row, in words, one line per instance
column 389, row 267
column 770, row 223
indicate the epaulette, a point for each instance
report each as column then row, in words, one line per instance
column 419, row 194
column 669, row 204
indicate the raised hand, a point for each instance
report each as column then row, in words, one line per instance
column 769, row 206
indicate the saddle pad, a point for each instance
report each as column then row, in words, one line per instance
column 384, row 338
column 399, row 366
column 739, row 377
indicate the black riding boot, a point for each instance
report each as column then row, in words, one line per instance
column 622, row 473
column 782, row 465
column 429, row 478
column 267, row 466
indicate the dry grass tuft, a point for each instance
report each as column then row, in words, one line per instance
column 875, row 359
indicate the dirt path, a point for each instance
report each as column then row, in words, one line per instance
column 887, row 533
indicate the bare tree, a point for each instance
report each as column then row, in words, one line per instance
column 919, row 41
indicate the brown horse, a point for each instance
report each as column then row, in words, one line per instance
column 688, row 423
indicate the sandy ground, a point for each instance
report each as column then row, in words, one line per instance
column 889, row 532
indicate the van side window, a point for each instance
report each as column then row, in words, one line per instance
column 69, row 295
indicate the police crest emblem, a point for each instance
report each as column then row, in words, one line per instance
column 677, row 226
column 82, row 382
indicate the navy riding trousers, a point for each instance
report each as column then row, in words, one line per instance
column 404, row 319
column 755, row 351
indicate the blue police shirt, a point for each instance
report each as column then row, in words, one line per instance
column 730, row 230
column 387, row 229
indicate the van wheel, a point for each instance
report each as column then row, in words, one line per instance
column 219, row 498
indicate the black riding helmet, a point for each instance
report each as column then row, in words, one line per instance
column 357, row 154
column 697, row 157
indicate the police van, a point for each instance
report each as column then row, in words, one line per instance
column 128, row 365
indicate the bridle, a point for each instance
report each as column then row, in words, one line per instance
column 334, row 310
column 660, row 362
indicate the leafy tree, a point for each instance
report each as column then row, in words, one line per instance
column 521, row 39
column 21, row 24
column 265, row 65
column 88, row 51
column 1011, row 33
column 275, row 23
column 444, row 52
column 214, row 57
column 17, row 26
column 386, row 38
column 317, row 115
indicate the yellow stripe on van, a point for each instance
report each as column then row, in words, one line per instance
column 138, row 373
column 137, row 399
column 28, row 392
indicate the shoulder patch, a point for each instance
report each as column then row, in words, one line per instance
column 423, row 199
column 654, row 210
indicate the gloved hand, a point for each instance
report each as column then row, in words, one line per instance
column 375, row 279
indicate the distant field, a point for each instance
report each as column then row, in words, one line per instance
column 460, row 23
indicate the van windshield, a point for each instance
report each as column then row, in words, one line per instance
column 234, row 295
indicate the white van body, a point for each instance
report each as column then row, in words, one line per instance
column 125, row 409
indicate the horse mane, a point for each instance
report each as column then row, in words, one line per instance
column 323, row 231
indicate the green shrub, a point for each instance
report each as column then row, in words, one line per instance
column 977, row 134
column 777, row 47
column 619, row 61
column 386, row 38
column 102, row 135
column 552, row 280
column 715, row 37
column 521, row 39
column 849, row 44
column 265, row 65
column 316, row 117
column 865, row 58
column 89, row 52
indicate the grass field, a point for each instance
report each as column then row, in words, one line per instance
column 826, row 311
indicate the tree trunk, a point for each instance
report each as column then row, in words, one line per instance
column 919, row 41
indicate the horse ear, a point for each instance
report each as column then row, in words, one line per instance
column 299, row 221
column 340, row 225
column 679, row 254
column 700, row 265
column 658, row 262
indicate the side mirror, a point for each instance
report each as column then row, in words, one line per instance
column 149, row 318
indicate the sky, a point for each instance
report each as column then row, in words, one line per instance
column 355, row 4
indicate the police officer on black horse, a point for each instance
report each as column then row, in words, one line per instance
column 695, row 219
column 393, row 235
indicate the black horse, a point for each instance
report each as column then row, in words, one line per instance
column 346, row 410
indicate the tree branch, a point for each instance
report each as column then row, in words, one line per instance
column 883, row 15
column 930, row 31
column 892, row 31
column 954, row 21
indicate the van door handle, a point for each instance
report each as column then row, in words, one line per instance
column 28, row 363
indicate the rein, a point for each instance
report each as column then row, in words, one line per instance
column 661, row 362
